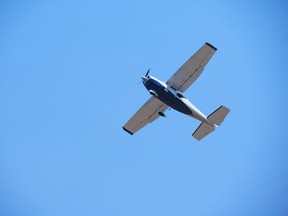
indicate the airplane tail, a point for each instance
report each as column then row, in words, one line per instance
column 217, row 117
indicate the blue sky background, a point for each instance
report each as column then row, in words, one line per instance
column 69, row 80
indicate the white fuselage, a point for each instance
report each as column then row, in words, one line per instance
column 173, row 98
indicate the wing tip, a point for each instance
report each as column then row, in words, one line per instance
column 127, row 131
column 210, row 45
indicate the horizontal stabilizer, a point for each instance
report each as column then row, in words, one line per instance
column 203, row 130
column 216, row 118
column 218, row 115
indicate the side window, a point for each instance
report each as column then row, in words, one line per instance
column 180, row 95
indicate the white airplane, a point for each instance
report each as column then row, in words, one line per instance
column 170, row 94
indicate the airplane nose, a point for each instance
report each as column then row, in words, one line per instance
column 144, row 79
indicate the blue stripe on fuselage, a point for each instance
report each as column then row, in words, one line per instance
column 167, row 97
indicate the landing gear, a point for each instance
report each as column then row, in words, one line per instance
column 161, row 114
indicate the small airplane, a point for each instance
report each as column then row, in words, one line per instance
column 170, row 94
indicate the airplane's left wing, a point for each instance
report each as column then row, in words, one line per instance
column 146, row 114
column 192, row 68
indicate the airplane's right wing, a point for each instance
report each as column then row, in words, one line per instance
column 146, row 114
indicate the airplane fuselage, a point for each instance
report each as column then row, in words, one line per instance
column 172, row 98
column 166, row 96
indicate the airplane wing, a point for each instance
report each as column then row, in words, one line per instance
column 192, row 68
column 146, row 114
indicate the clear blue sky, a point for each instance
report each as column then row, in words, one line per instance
column 69, row 80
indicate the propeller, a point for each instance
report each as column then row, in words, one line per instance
column 145, row 78
column 147, row 72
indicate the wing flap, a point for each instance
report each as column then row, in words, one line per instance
column 146, row 114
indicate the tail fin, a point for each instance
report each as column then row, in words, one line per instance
column 216, row 117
